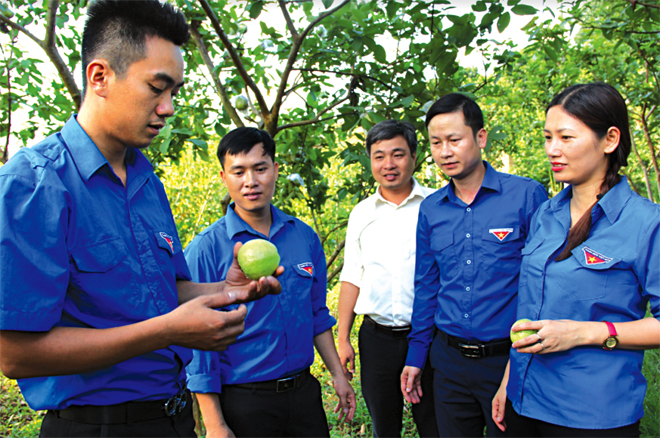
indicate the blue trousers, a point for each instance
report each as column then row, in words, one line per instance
column 464, row 388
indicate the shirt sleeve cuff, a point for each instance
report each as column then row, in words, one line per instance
column 204, row 384
column 323, row 325
column 416, row 357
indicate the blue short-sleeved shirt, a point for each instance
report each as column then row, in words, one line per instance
column 78, row 249
column 468, row 259
column 612, row 276
column 279, row 329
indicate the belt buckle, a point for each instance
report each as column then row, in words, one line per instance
column 286, row 384
column 175, row 404
column 469, row 350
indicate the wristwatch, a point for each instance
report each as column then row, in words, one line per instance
column 612, row 340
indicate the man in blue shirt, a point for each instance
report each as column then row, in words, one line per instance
column 97, row 310
column 261, row 385
column 469, row 237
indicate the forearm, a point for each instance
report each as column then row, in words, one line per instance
column 189, row 290
column 643, row 334
column 70, row 350
column 325, row 345
column 348, row 295
column 209, row 405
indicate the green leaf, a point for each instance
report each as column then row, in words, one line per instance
column 496, row 133
column 552, row 54
column 165, row 145
column 255, row 8
column 503, row 21
column 328, row 3
column 479, row 6
column 524, row 10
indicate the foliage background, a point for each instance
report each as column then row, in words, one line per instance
column 322, row 73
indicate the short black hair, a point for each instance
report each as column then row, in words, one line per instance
column 388, row 129
column 455, row 102
column 117, row 31
column 242, row 140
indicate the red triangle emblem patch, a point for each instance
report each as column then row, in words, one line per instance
column 501, row 233
column 593, row 258
column 307, row 267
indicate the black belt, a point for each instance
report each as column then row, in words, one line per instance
column 394, row 331
column 498, row 347
column 278, row 385
column 125, row 413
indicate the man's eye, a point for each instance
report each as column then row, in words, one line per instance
column 155, row 89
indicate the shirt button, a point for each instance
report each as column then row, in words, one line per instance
column 467, row 235
column 468, row 209
column 467, row 288
column 469, row 262
column 466, row 316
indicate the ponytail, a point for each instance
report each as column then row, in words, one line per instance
column 599, row 106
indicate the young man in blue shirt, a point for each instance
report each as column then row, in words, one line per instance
column 261, row 386
column 97, row 310
column 470, row 234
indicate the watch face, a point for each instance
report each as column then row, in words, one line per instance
column 611, row 342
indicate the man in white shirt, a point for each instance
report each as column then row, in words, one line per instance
column 378, row 280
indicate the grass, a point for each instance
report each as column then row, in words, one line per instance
column 17, row 420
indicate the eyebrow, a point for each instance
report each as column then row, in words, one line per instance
column 560, row 130
column 240, row 166
column 168, row 80
column 380, row 151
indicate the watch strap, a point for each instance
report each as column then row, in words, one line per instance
column 611, row 328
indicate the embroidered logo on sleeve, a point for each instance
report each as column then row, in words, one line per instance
column 307, row 267
column 167, row 238
column 500, row 233
column 594, row 258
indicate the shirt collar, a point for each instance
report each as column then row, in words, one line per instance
column 611, row 204
column 89, row 159
column 84, row 152
column 491, row 181
column 416, row 191
column 235, row 224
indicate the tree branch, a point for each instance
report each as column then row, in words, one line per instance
column 236, row 59
column 649, row 142
column 341, row 73
column 287, row 17
column 336, row 271
column 335, row 253
column 54, row 55
column 648, row 5
column 20, row 28
column 271, row 124
column 647, row 181
column 341, row 225
column 203, row 51
column 314, row 120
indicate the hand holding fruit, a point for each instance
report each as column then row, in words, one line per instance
column 243, row 289
column 554, row 335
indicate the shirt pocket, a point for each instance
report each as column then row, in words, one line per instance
column 530, row 261
column 501, row 249
column 442, row 245
column 99, row 257
column 592, row 278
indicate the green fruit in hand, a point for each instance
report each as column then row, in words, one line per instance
column 522, row 334
column 241, row 103
column 258, row 258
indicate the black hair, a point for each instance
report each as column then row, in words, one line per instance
column 455, row 102
column 242, row 140
column 388, row 129
column 599, row 106
column 117, row 31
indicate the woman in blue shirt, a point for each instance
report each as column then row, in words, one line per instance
column 590, row 269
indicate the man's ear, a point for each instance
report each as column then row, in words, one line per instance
column 276, row 165
column 99, row 75
column 222, row 176
column 482, row 138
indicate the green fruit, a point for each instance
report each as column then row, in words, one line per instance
column 522, row 334
column 258, row 258
column 241, row 103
